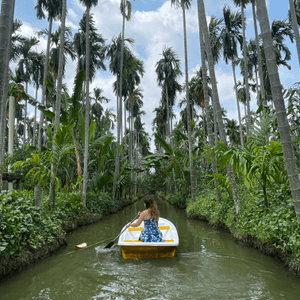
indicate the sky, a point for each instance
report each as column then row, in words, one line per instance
column 155, row 24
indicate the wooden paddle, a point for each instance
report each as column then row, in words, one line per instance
column 110, row 244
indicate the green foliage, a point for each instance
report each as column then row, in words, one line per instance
column 21, row 153
column 180, row 199
column 68, row 205
column 259, row 164
column 152, row 182
column 40, row 163
column 206, row 205
column 223, row 182
column 101, row 202
column 276, row 225
column 24, row 225
column 167, row 147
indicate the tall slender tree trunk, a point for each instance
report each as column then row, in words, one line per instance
column 216, row 103
column 136, row 160
column 261, row 76
column 277, row 95
column 25, row 114
column 125, row 124
column 11, row 126
column 43, row 100
column 206, row 101
column 188, row 109
column 168, row 113
column 238, row 105
column 245, row 58
column 58, row 98
column 131, row 140
column 35, row 111
column 117, row 164
column 295, row 27
column 6, row 21
column 87, row 108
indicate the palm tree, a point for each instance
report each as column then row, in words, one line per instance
column 230, row 36
column 186, row 4
column 55, row 48
column 167, row 70
column 206, row 99
column 114, row 53
column 233, row 132
column 97, row 47
column 125, row 8
column 253, row 63
column 58, row 93
column 159, row 122
column 214, row 31
column 295, row 26
column 53, row 8
column 262, row 87
column 242, row 4
column 133, row 105
column 216, row 103
column 24, row 68
column 16, row 40
column 88, row 4
column 276, row 88
column 280, row 30
column 6, row 24
column 37, row 75
column 97, row 108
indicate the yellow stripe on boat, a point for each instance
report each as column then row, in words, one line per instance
column 138, row 241
column 141, row 228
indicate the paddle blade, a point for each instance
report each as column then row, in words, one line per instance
column 109, row 245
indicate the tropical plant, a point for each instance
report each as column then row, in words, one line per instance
column 168, row 71
column 216, row 103
column 242, row 4
column 283, row 126
column 186, row 4
column 230, row 37
column 58, row 94
column 293, row 21
column 53, row 8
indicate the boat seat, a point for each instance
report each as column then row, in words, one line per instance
column 138, row 241
column 141, row 228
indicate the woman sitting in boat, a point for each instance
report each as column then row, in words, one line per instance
column 150, row 216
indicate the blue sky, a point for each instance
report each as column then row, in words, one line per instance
column 155, row 24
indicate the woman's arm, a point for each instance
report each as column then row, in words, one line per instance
column 139, row 221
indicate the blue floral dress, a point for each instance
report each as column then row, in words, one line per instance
column 151, row 233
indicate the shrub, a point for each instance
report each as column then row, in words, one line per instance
column 101, row 202
column 22, row 224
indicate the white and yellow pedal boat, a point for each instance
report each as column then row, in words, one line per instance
column 132, row 247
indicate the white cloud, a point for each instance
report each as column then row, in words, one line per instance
column 152, row 30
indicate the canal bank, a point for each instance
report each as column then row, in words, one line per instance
column 30, row 255
column 242, row 238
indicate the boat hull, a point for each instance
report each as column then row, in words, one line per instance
column 148, row 252
column 133, row 248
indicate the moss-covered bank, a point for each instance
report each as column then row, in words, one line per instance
column 29, row 251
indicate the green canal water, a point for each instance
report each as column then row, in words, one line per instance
column 208, row 265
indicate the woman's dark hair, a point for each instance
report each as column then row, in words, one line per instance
column 155, row 214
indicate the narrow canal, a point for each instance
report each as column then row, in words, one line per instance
column 208, row 265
